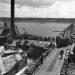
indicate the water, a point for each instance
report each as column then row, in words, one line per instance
column 44, row 29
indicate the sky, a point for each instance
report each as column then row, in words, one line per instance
column 39, row 8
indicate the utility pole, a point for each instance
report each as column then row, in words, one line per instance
column 12, row 17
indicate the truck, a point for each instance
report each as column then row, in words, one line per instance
column 62, row 42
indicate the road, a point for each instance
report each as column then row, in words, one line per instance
column 52, row 65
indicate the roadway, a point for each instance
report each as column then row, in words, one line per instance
column 53, row 64
column 48, row 67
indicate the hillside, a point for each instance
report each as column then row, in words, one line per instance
column 43, row 20
column 69, row 32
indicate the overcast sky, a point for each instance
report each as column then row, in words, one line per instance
column 39, row 8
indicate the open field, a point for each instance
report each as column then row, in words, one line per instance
column 40, row 29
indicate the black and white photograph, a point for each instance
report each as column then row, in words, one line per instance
column 37, row 37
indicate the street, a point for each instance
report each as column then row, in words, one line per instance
column 53, row 64
column 49, row 66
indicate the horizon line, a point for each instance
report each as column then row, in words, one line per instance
column 40, row 17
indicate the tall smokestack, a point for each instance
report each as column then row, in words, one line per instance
column 12, row 17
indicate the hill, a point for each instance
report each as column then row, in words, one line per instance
column 42, row 20
column 69, row 32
